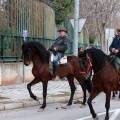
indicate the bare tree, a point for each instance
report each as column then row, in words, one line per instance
column 100, row 14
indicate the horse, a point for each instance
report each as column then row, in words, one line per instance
column 105, row 78
column 36, row 52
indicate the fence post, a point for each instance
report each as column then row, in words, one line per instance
column 2, row 45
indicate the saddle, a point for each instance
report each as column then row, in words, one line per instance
column 63, row 61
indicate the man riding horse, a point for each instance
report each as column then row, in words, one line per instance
column 58, row 49
column 115, row 48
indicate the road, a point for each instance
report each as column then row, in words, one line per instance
column 55, row 112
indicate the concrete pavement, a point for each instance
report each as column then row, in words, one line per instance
column 73, row 113
column 17, row 96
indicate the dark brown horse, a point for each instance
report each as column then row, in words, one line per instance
column 105, row 78
column 36, row 52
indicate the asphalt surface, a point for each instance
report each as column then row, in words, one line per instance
column 55, row 111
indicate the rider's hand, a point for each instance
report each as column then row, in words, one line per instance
column 113, row 50
column 55, row 49
column 116, row 51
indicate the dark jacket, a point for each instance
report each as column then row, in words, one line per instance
column 61, row 44
column 115, row 44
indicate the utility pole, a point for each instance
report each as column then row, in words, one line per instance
column 76, row 23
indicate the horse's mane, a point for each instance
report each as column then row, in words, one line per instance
column 38, row 47
column 99, row 57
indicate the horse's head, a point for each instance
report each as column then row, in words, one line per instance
column 85, row 62
column 31, row 50
column 28, row 53
column 97, row 57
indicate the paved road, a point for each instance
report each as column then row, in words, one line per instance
column 73, row 113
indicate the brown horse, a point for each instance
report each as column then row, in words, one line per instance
column 36, row 52
column 105, row 78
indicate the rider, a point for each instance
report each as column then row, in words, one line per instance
column 115, row 48
column 58, row 49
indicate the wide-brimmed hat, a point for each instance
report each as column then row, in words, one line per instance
column 62, row 29
column 118, row 28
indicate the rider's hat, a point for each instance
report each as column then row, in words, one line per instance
column 62, row 29
column 118, row 28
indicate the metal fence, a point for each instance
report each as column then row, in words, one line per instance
column 31, row 15
column 18, row 15
column 10, row 46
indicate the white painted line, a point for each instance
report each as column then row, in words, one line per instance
column 100, row 114
column 114, row 116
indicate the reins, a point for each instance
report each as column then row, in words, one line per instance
column 105, row 65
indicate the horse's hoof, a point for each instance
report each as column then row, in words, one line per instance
column 106, row 118
column 68, row 106
column 37, row 98
column 40, row 110
column 82, row 106
column 96, row 118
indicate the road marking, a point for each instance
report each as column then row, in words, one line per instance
column 114, row 116
column 117, row 111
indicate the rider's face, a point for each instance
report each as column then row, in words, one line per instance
column 118, row 32
column 62, row 33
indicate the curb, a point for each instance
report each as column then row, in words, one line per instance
column 25, row 104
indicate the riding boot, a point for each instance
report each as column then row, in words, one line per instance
column 56, row 73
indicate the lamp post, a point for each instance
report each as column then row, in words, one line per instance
column 76, row 24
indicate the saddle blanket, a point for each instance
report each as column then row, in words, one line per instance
column 62, row 61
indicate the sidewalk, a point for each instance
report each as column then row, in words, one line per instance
column 17, row 96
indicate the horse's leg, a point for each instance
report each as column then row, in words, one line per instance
column 72, row 87
column 84, row 94
column 44, row 94
column 113, row 95
column 107, row 105
column 89, row 85
column 94, row 93
column 35, row 81
column 82, row 83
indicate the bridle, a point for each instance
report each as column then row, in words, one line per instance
column 104, row 66
column 89, row 66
